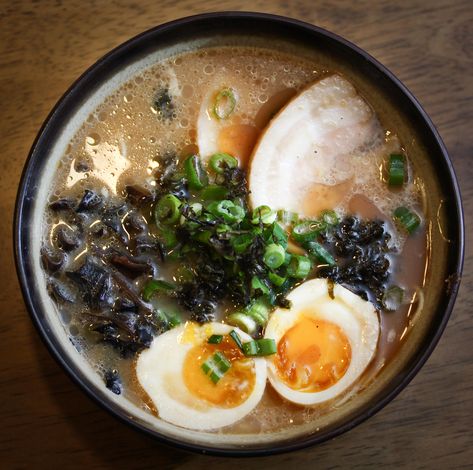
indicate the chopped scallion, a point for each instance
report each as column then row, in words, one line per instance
column 264, row 215
column 287, row 217
column 216, row 367
column 167, row 320
column 168, row 237
column 308, row 230
column 203, row 236
column 174, row 319
column 260, row 347
column 322, row 255
column 274, row 256
column 396, row 170
column 222, row 228
column 214, row 192
column 299, row 267
column 242, row 321
column 196, row 176
column 241, row 242
column 259, row 311
column 410, row 221
column 156, row 285
column 330, row 217
column 236, row 337
column 227, row 210
column 224, row 104
column 276, row 279
column 219, row 161
column 258, row 284
column 166, row 210
column 279, row 235
column 215, row 339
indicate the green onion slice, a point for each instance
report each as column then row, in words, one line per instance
column 330, row 217
column 154, row 286
column 276, row 279
column 168, row 237
column 227, row 210
column 241, row 242
column 166, row 210
column 167, row 320
column 174, row 319
column 242, row 321
column 258, row 284
column 214, row 192
column 279, row 235
column 219, row 161
column 299, row 266
column 287, row 217
column 410, row 221
column 264, row 215
column 236, row 337
column 274, row 256
column 396, row 170
column 203, row 236
column 392, row 298
column 216, row 367
column 308, row 230
column 196, row 175
column 215, row 339
column 260, row 347
column 322, row 255
column 259, row 311
column 224, row 104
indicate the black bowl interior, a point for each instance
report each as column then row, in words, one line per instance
column 372, row 78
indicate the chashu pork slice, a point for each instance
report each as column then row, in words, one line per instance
column 305, row 161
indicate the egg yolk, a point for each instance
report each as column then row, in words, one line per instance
column 238, row 140
column 233, row 388
column 312, row 355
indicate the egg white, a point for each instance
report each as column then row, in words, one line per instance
column 356, row 317
column 159, row 370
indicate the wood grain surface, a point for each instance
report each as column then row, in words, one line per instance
column 46, row 421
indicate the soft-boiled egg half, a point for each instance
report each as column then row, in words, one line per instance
column 229, row 122
column 224, row 123
column 323, row 344
column 171, row 373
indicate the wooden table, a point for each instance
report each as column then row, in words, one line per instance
column 46, row 421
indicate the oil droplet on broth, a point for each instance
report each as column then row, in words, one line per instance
column 92, row 139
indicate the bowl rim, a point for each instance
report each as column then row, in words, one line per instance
column 20, row 248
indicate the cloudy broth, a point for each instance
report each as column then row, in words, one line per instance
column 122, row 144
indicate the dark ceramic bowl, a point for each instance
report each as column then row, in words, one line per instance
column 426, row 151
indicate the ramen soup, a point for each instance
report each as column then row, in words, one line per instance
column 235, row 240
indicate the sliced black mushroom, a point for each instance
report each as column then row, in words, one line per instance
column 62, row 204
column 94, row 283
column 145, row 243
column 59, row 292
column 67, row 238
column 113, row 382
column 89, row 202
column 112, row 218
column 137, row 195
column 129, row 265
column 51, row 260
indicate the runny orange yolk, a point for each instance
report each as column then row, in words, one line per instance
column 233, row 388
column 312, row 355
